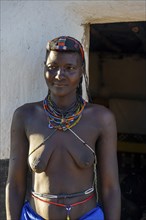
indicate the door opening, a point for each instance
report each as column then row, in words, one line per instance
column 117, row 79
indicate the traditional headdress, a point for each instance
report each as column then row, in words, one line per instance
column 66, row 43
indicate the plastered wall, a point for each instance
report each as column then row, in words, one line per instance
column 26, row 27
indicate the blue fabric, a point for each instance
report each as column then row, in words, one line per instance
column 94, row 214
column 28, row 213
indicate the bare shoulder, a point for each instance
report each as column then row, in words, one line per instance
column 27, row 109
column 100, row 110
column 101, row 114
column 24, row 113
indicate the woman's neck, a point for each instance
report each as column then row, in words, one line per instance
column 64, row 102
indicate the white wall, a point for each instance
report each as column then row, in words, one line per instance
column 26, row 26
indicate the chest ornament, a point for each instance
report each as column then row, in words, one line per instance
column 63, row 119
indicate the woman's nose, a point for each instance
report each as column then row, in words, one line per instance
column 59, row 74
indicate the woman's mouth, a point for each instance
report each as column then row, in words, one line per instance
column 59, row 85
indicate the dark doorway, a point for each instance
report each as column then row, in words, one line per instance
column 117, row 79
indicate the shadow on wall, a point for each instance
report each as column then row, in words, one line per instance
column 3, row 178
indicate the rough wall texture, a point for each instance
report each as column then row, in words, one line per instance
column 25, row 28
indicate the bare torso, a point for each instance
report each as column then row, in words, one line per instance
column 63, row 164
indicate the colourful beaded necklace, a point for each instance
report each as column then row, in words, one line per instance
column 63, row 119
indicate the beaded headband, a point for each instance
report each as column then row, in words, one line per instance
column 66, row 43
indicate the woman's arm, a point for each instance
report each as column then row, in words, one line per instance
column 16, row 182
column 108, row 167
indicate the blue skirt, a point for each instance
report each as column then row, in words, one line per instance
column 29, row 214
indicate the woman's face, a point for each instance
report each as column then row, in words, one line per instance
column 63, row 71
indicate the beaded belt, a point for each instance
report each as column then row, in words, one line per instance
column 61, row 196
column 68, row 207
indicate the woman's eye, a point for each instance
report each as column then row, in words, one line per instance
column 51, row 67
column 70, row 68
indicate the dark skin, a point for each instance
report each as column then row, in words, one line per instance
column 63, row 164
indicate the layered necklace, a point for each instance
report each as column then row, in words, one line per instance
column 63, row 119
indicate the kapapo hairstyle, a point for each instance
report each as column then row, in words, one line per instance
column 69, row 44
column 66, row 43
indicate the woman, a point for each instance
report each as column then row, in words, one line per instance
column 60, row 138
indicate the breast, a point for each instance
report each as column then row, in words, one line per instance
column 38, row 160
column 82, row 156
column 37, row 164
column 62, row 148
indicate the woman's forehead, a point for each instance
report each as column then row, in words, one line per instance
column 65, row 56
